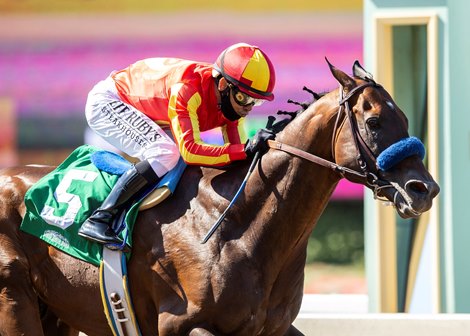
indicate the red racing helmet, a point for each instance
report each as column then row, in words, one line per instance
column 248, row 68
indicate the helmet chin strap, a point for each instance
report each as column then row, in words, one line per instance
column 227, row 107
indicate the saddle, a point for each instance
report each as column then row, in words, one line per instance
column 113, row 163
column 157, row 196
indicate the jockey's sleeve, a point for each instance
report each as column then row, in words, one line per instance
column 183, row 113
column 234, row 132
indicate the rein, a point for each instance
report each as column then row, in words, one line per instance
column 313, row 158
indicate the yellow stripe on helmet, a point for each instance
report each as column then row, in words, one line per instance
column 257, row 71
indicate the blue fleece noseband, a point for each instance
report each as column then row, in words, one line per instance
column 399, row 151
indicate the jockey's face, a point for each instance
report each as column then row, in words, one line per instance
column 242, row 111
column 243, row 100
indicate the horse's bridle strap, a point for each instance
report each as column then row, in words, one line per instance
column 312, row 158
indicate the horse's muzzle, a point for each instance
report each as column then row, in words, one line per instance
column 415, row 198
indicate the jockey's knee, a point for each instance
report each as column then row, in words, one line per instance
column 171, row 160
column 163, row 163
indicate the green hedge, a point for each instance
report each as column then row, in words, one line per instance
column 338, row 237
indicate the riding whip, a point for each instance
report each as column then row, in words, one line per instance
column 242, row 186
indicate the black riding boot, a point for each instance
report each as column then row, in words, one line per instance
column 99, row 226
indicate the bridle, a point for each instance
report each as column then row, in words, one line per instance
column 369, row 172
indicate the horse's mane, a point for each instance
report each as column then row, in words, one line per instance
column 281, row 124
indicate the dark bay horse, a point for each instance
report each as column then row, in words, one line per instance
column 248, row 278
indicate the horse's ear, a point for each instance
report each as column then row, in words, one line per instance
column 347, row 82
column 360, row 72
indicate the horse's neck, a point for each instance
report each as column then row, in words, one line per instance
column 289, row 193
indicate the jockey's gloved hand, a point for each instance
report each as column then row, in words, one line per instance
column 259, row 142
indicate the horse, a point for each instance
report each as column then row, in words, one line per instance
column 247, row 279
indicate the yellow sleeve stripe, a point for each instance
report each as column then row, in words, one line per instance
column 192, row 106
column 242, row 130
column 172, row 115
column 172, row 103
column 225, row 134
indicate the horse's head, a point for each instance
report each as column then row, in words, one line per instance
column 371, row 137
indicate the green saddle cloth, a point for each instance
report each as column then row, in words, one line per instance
column 61, row 201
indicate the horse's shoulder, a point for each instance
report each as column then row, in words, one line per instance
column 198, row 179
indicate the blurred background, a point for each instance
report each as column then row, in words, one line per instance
column 53, row 52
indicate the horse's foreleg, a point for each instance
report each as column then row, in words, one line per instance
column 19, row 310
column 52, row 325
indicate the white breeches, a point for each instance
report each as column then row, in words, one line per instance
column 128, row 129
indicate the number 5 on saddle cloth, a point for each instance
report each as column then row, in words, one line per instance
column 58, row 203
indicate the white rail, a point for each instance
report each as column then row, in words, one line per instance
column 347, row 315
column 384, row 324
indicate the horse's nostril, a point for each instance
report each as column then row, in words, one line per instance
column 417, row 187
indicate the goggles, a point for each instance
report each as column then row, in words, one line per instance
column 243, row 99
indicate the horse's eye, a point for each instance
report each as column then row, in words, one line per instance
column 390, row 104
column 373, row 123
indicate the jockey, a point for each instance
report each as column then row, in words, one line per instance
column 133, row 107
